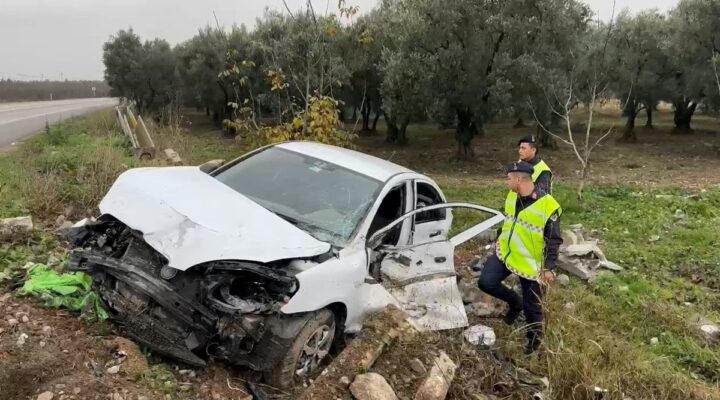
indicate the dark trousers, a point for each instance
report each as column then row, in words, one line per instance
column 493, row 274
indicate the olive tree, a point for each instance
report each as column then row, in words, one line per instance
column 694, row 41
column 639, row 54
column 144, row 73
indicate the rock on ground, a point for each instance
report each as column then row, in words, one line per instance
column 19, row 224
column 470, row 292
column 135, row 363
column 563, row 279
column 372, row 386
column 45, row 396
column 480, row 334
column 417, row 366
column 172, row 156
column 706, row 328
column 437, row 383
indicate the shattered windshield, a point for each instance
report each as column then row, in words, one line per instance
column 321, row 198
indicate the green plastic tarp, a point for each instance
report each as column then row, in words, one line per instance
column 68, row 290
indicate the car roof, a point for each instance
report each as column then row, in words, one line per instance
column 362, row 163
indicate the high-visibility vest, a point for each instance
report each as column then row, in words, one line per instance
column 538, row 169
column 521, row 244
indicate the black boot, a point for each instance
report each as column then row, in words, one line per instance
column 534, row 341
column 512, row 315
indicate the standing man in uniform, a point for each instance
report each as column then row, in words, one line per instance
column 528, row 152
column 528, row 247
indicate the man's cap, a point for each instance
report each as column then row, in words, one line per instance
column 527, row 139
column 521, row 166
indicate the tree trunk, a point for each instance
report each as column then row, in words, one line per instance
column 520, row 123
column 391, row 135
column 366, row 116
column 464, row 132
column 547, row 141
column 631, row 113
column 684, row 110
column 341, row 114
column 649, row 113
column 207, row 111
column 402, row 133
column 375, row 121
column 583, row 177
column 354, row 117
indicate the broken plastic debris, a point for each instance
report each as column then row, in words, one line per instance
column 480, row 334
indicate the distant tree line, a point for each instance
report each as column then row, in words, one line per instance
column 459, row 63
column 11, row 90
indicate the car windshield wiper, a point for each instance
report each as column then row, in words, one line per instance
column 288, row 218
column 313, row 230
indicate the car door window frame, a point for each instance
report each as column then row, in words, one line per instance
column 441, row 214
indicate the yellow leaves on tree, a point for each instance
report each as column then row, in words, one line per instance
column 277, row 80
column 320, row 123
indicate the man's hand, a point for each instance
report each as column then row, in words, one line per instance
column 547, row 276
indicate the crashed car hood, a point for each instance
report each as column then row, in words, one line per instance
column 192, row 218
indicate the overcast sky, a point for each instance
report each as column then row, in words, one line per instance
column 50, row 39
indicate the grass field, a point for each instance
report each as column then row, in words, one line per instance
column 601, row 339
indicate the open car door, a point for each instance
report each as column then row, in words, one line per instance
column 421, row 277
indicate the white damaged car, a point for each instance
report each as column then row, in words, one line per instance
column 269, row 260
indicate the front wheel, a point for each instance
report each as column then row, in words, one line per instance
column 310, row 348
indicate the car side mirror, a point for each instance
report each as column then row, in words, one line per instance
column 211, row 166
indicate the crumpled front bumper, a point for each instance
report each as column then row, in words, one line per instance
column 158, row 315
column 147, row 306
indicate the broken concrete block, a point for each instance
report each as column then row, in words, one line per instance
column 372, row 386
column 437, row 383
column 706, row 328
column 172, row 156
column 379, row 331
column 480, row 335
column 574, row 267
column 18, row 224
column 585, row 249
column 569, row 238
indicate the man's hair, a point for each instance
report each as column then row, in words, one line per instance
column 521, row 175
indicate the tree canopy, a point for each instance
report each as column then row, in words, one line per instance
column 460, row 63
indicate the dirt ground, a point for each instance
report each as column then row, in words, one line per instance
column 659, row 158
column 70, row 357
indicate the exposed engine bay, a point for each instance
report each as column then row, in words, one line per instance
column 221, row 309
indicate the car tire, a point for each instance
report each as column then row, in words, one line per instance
column 319, row 334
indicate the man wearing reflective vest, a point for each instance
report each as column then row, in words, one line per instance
column 528, row 152
column 527, row 247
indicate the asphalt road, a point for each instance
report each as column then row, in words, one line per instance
column 19, row 121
